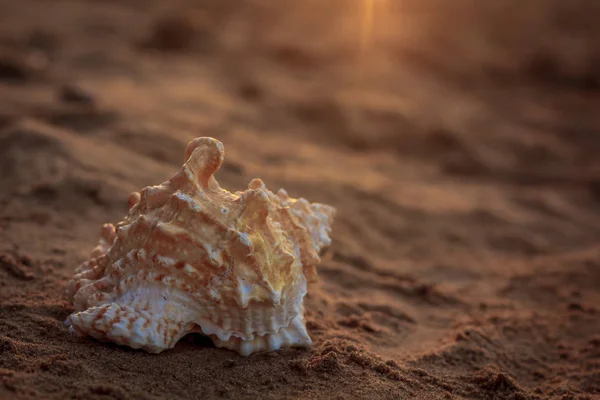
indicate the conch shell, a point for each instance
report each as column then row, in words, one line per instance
column 193, row 257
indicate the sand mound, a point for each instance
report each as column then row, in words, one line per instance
column 31, row 151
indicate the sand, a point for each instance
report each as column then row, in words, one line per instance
column 458, row 143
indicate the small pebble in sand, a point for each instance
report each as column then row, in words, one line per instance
column 71, row 93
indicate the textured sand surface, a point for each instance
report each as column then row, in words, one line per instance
column 458, row 144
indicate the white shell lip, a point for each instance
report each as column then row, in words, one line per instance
column 192, row 257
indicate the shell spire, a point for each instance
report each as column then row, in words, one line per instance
column 192, row 257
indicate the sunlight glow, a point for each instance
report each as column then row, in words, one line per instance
column 366, row 34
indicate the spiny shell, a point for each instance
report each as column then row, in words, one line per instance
column 190, row 256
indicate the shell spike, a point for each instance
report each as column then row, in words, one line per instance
column 133, row 199
column 257, row 183
column 107, row 237
column 256, row 205
column 204, row 157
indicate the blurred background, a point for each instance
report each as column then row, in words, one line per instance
column 387, row 95
column 383, row 74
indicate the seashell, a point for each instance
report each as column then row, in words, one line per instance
column 193, row 257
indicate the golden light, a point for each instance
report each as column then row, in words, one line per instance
column 370, row 13
column 367, row 23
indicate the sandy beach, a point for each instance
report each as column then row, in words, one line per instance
column 458, row 143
